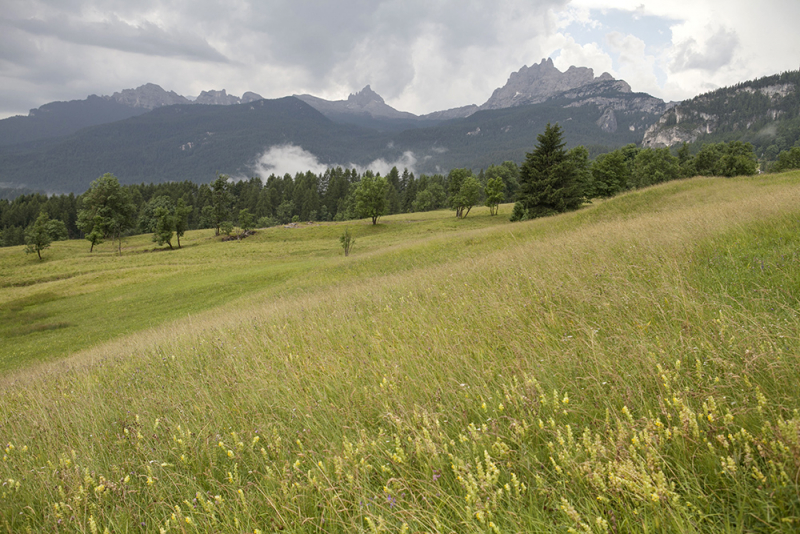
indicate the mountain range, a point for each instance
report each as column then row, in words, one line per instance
column 149, row 134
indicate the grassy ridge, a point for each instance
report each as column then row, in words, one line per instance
column 628, row 367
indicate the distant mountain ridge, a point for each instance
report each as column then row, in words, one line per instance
column 64, row 118
column 158, row 135
column 529, row 85
column 364, row 101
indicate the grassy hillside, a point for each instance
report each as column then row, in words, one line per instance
column 631, row 366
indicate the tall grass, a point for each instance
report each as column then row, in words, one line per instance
column 629, row 367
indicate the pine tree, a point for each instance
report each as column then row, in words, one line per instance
column 548, row 179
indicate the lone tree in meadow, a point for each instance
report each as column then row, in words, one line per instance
column 370, row 196
column 548, row 180
column 106, row 211
column 37, row 236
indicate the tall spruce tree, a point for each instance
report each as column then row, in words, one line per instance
column 548, row 180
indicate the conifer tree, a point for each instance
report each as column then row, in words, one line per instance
column 548, row 179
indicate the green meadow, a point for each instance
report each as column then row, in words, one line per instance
column 629, row 367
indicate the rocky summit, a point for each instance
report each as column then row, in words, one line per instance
column 148, row 96
column 364, row 102
column 221, row 98
column 539, row 82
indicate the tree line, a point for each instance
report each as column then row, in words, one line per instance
column 565, row 179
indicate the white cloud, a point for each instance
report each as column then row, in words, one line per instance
column 291, row 159
column 716, row 52
column 287, row 159
column 635, row 66
column 588, row 55
column 576, row 14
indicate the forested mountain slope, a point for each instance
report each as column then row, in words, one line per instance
column 764, row 112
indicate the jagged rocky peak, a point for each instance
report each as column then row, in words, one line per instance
column 148, row 96
column 216, row 98
column 364, row 97
column 537, row 83
column 221, row 98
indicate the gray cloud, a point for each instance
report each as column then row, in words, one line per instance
column 718, row 52
column 423, row 54
column 145, row 38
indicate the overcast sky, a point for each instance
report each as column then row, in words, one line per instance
column 420, row 55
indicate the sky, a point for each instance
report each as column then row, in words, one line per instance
column 420, row 55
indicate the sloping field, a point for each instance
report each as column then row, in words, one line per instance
column 629, row 367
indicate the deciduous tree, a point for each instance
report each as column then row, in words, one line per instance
column 654, row 166
column 37, row 236
column 467, row 196
column 610, row 174
column 246, row 220
column 106, row 211
column 494, row 194
column 182, row 212
column 164, row 226
column 370, row 196
column 787, row 160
